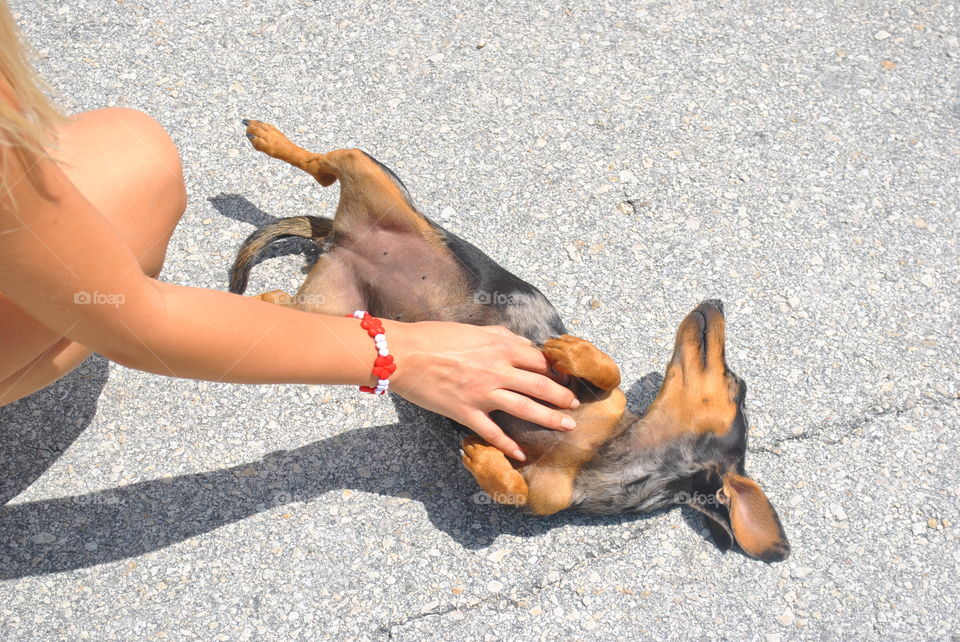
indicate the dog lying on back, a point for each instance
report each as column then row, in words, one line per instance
column 688, row 448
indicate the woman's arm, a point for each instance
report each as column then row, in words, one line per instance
column 64, row 264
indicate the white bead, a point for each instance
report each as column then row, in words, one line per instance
column 358, row 314
column 383, row 382
column 383, row 352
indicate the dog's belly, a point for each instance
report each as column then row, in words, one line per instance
column 405, row 277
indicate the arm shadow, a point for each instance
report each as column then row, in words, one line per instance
column 416, row 459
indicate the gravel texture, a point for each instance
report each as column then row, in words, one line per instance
column 796, row 158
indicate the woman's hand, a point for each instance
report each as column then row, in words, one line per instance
column 464, row 372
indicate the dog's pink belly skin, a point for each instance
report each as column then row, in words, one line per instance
column 405, row 277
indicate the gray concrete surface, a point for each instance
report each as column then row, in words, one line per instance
column 797, row 158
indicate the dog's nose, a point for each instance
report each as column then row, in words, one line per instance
column 717, row 303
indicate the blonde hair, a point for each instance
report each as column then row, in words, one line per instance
column 27, row 117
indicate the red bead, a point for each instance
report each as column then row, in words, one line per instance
column 384, row 366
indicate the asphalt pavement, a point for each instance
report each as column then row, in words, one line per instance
column 798, row 159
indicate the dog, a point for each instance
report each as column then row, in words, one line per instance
column 380, row 253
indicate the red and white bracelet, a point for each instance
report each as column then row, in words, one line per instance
column 383, row 366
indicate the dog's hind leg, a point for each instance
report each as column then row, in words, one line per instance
column 493, row 472
column 330, row 288
column 370, row 194
column 271, row 141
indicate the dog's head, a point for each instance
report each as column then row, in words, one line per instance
column 698, row 423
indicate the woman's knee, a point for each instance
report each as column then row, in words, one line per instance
column 128, row 166
column 159, row 160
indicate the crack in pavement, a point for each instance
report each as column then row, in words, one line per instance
column 520, row 601
column 848, row 428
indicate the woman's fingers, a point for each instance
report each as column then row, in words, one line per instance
column 531, row 410
column 525, row 356
column 504, row 331
column 481, row 424
column 541, row 388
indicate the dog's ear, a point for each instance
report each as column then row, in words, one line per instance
column 753, row 521
column 704, row 500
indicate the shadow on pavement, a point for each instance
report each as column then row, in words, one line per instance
column 37, row 429
column 240, row 209
column 62, row 534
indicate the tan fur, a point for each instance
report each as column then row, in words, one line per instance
column 493, row 472
column 696, row 397
column 752, row 518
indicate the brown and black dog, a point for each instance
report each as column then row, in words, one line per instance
column 380, row 254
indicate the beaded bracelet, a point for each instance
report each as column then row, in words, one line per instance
column 383, row 366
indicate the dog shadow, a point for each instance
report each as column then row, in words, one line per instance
column 416, row 459
column 240, row 209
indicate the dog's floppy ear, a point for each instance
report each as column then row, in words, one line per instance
column 753, row 521
column 704, row 500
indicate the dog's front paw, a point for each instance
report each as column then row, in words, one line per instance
column 579, row 358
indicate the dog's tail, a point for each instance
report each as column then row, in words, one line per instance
column 314, row 228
